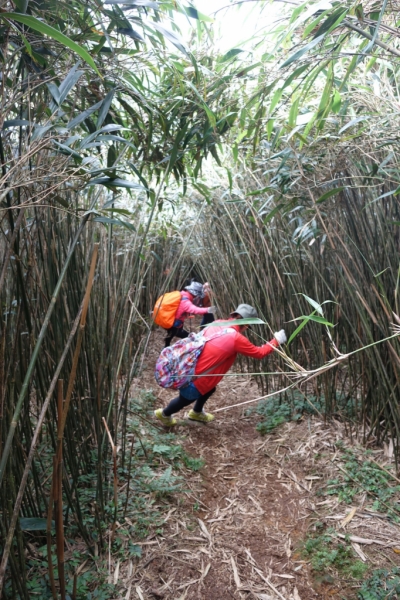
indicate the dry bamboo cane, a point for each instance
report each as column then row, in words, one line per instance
column 72, row 376
column 114, row 453
column 58, row 506
column 35, row 354
column 28, row 464
column 48, row 531
column 65, row 411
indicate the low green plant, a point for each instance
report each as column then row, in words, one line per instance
column 362, row 476
column 326, row 552
column 291, row 407
column 383, row 584
column 155, row 473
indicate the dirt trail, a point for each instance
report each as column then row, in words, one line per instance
column 237, row 530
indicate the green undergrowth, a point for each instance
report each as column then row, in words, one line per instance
column 333, row 559
column 329, row 555
column 358, row 476
column 292, row 407
column 154, row 466
column 383, row 584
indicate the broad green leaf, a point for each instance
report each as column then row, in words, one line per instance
column 172, row 37
column 84, row 115
column 243, row 72
column 314, row 318
column 352, row 122
column 275, row 99
column 250, row 321
column 210, row 114
column 297, row 55
column 332, row 21
column 16, row 123
column 314, row 304
column 196, row 14
column 39, row 131
column 297, row 331
column 104, row 108
column 258, row 192
column 54, row 91
column 135, row 3
column 108, row 221
column 337, row 102
column 273, row 212
column 113, row 182
column 22, row 5
column 69, row 82
column 41, row 27
column 293, row 113
column 329, row 194
column 69, row 151
column 34, row 524
column 296, row 73
column 231, row 54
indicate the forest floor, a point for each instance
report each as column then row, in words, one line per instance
column 301, row 513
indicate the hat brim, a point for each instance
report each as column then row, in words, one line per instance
column 232, row 314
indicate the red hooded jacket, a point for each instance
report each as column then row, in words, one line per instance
column 219, row 354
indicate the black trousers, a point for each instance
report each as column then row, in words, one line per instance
column 180, row 402
column 175, row 332
column 206, row 320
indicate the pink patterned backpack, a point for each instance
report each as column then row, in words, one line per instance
column 176, row 364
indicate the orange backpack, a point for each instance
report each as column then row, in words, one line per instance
column 165, row 309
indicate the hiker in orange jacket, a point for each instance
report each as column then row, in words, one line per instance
column 191, row 304
column 216, row 358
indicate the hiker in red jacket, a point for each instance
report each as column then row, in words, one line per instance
column 191, row 304
column 216, row 358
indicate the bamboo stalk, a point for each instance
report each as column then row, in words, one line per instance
column 48, row 530
column 69, row 393
column 58, row 505
column 115, row 473
column 35, row 354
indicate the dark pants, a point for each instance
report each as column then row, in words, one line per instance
column 206, row 320
column 180, row 402
column 175, row 332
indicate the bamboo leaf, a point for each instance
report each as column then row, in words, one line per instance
column 84, row 115
column 297, row 331
column 297, row 55
column 172, row 37
column 231, row 54
column 34, row 524
column 41, row 27
column 22, row 5
column 68, row 83
column 352, row 122
column 314, row 318
column 314, row 304
column 105, row 107
column 329, row 194
column 192, row 12
column 249, row 321
column 16, row 123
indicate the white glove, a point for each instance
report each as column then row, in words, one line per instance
column 212, row 309
column 280, row 336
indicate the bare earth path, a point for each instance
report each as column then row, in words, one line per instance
column 237, row 530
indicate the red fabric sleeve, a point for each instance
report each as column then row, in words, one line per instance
column 243, row 346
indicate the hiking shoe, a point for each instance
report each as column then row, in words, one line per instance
column 167, row 421
column 203, row 417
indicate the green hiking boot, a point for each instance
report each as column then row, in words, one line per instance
column 167, row 421
column 203, row 417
